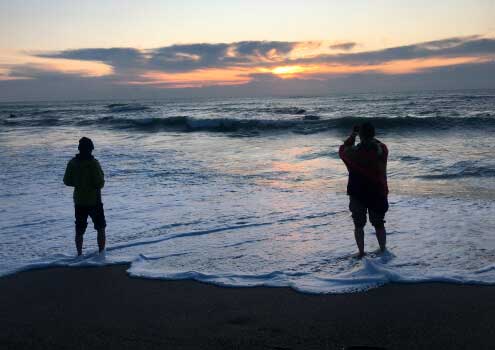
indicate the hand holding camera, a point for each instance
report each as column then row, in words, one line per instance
column 355, row 130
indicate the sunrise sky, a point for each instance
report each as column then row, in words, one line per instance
column 90, row 49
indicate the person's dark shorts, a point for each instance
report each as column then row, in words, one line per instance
column 95, row 212
column 376, row 209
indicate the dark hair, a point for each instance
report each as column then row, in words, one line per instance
column 85, row 145
column 366, row 131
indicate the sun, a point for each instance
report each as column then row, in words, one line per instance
column 287, row 70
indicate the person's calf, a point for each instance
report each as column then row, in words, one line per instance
column 359, row 236
column 381, row 236
column 79, row 240
column 101, row 240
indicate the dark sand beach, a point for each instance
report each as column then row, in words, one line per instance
column 103, row 308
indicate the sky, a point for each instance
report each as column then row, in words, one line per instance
column 68, row 49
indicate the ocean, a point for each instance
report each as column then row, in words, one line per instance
column 251, row 191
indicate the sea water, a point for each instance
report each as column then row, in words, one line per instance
column 251, row 192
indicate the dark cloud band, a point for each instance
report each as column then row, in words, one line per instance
column 184, row 58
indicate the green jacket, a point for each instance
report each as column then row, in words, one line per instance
column 87, row 178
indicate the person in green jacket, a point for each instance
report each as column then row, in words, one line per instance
column 84, row 173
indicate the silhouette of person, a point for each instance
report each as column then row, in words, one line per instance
column 84, row 173
column 367, row 184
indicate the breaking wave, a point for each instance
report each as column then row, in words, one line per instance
column 301, row 124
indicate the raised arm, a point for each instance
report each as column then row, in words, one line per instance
column 346, row 150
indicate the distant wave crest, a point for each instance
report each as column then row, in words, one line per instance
column 127, row 107
column 301, row 124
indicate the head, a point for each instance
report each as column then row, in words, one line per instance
column 85, row 146
column 366, row 131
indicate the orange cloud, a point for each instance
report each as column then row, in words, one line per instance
column 414, row 65
column 196, row 78
column 83, row 68
column 66, row 66
column 392, row 67
column 88, row 69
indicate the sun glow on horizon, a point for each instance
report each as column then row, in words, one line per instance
column 288, row 70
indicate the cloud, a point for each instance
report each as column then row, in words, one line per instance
column 264, row 48
column 467, row 46
column 120, row 59
column 28, row 71
column 50, row 71
column 181, row 58
column 347, row 46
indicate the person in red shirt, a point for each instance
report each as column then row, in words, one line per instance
column 367, row 184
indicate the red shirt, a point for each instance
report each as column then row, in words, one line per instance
column 367, row 166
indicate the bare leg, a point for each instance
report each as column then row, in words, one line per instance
column 359, row 235
column 381, row 236
column 79, row 240
column 101, row 239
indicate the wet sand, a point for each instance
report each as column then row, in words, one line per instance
column 103, row 308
